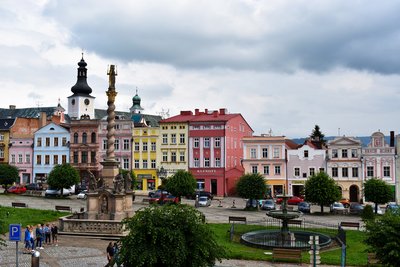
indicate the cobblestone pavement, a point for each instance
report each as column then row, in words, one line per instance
column 83, row 251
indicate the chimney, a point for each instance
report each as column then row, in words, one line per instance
column 215, row 113
column 12, row 106
column 391, row 138
column 196, row 112
column 206, row 111
column 222, row 111
column 42, row 119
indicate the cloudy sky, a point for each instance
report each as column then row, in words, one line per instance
column 284, row 65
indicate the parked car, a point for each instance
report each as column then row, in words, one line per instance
column 79, row 188
column 34, row 186
column 393, row 207
column 204, row 201
column 199, row 193
column 291, row 201
column 16, row 189
column 252, row 203
column 337, row 207
column 82, row 194
column 156, row 192
column 345, row 202
column 162, row 198
column 54, row 192
column 304, row 207
column 269, row 204
column 356, row 208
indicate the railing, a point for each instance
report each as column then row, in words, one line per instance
column 77, row 225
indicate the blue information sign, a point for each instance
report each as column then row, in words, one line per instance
column 15, row 232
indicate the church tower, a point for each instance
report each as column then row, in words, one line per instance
column 81, row 103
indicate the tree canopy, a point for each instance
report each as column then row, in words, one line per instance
column 8, row 175
column 252, row 186
column 322, row 190
column 383, row 239
column 182, row 183
column 63, row 176
column 170, row 235
column 377, row 191
column 317, row 135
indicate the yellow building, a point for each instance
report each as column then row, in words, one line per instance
column 5, row 125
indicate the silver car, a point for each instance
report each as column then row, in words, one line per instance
column 268, row 204
column 204, row 201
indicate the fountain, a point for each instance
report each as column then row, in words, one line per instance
column 283, row 237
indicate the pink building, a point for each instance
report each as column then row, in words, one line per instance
column 21, row 154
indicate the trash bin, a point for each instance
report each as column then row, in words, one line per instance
column 35, row 259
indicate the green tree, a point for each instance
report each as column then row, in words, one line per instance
column 8, row 175
column 251, row 186
column 367, row 213
column 170, row 235
column 63, row 176
column 182, row 183
column 322, row 190
column 382, row 237
column 317, row 135
column 377, row 191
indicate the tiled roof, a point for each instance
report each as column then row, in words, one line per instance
column 198, row 116
column 6, row 113
column 151, row 120
column 5, row 124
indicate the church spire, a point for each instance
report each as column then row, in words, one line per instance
column 81, row 87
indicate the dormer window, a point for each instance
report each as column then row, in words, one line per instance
column 306, row 153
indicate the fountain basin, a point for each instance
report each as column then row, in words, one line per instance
column 288, row 215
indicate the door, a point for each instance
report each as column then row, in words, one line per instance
column 214, row 186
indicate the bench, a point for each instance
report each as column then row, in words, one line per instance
column 19, row 204
column 287, row 254
column 237, row 219
column 296, row 222
column 63, row 208
column 350, row 224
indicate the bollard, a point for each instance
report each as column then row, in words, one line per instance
column 35, row 259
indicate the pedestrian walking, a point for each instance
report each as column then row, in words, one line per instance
column 47, row 234
column 33, row 237
column 27, row 240
column 54, row 234
column 39, row 236
column 110, row 253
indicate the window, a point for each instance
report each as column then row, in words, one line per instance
column 84, row 138
column 39, row 142
column 137, row 146
column 254, row 169
column 76, row 157
column 47, row 160
column 116, row 144
column 206, row 162
column 153, row 146
column 13, row 158
column 277, row 170
column 196, row 142
column 145, row 166
column 266, row 170
column 105, row 144
column 165, row 138
column 296, row 171
column 28, row 158
column 217, row 162
column 1, row 137
column 93, row 138
column 306, row 153
column 345, row 172
column 386, row 171
column 217, row 141
column 84, row 157
column 47, row 141
column 312, row 171
column 304, row 175
column 126, row 163
column 38, row 159
column 253, row 153
column 182, row 156
column 136, row 164
column 55, row 159
column 144, row 146
column 153, row 163
column 334, row 153
column 64, row 141
column 344, row 153
column 276, row 152
column 126, row 144
column 354, row 172
column 173, row 156
column 181, row 138
column 370, row 171
column 173, row 138
column 64, row 159
column 265, row 152
column 354, row 153
column 93, row 156
column 334, row 172
column 321, row 169
column 75, row 138
column 196, row 162
column 55, row 141
column 165, row 156
column 207, row 142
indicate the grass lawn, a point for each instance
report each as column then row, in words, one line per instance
column 356, row 254
column 26, row 216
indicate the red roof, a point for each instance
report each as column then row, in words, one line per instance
column 198, row 116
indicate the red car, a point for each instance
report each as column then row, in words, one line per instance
column 16, row 189
column 163, row 198
column 291, row 201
